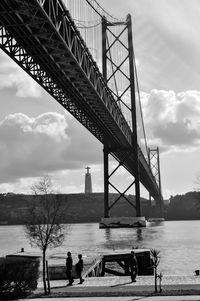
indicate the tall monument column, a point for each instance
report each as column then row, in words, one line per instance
column 88, row 181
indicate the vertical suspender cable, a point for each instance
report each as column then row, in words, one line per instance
column 140, row 105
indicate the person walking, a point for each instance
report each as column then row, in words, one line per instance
column 133, row 266
column 79, row 268
column 69, row 264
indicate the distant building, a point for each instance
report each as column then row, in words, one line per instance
column 88, row 181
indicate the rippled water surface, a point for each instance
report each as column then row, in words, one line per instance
column 178, row 241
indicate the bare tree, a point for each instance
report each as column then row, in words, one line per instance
column 155, row 254
column 44, row 228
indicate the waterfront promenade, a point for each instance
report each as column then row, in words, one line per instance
column 122, row 286
column 129, row 298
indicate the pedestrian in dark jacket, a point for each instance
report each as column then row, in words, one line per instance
column 133, row 266
column 69, row 264
column 79, row 268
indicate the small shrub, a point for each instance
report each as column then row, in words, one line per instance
column 155, row 254
column 18, row 278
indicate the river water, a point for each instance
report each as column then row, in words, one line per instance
column 178, row 242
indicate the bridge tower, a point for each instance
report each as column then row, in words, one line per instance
column 111, row 70
column 154, row 162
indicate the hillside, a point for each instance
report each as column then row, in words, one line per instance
column 184, row 206
column 79, row 207
column 89, row 208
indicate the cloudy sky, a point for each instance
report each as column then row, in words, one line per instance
column 38, row 137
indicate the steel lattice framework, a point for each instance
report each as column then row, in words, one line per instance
column 154, row 162
column 114, row 66
column 41, row 37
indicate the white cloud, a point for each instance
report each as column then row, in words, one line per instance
column 51, row 142
column 11, row 76
column 172, row 119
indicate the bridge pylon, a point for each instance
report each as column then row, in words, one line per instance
column 154, row 162
column 114, row 73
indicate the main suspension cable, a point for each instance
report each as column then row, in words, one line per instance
column 101, row 11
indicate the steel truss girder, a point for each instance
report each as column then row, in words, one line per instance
column 33, row 33
column 61, row 19
column 28, row 63
column 52, row 24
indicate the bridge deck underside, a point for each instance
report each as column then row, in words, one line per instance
column 40, row 36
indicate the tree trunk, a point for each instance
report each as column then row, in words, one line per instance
column 156, row 280
column 44, row 271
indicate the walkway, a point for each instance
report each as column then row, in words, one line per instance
column 136, row 298
column 121, row 286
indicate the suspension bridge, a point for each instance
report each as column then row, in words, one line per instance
column 84, row 58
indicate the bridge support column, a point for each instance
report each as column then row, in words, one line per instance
column 106, row 182
column 154, row 162
column 113, row 73
column 121, row 221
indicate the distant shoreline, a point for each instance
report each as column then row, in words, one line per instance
column 96, row 222
column 89, row 208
